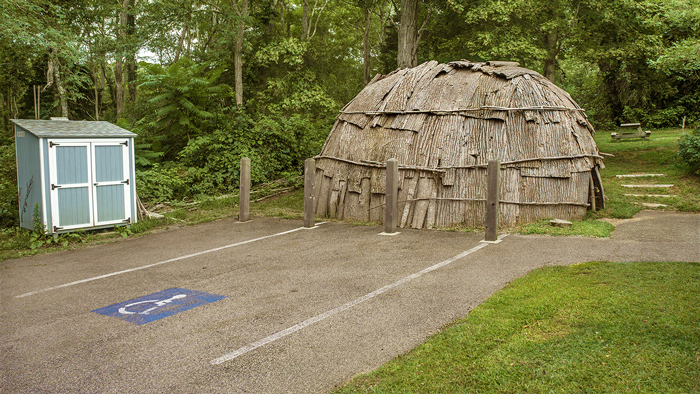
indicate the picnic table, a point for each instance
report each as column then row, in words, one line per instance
column 630, row 130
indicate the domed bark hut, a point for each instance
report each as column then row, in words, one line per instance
column 443, row 123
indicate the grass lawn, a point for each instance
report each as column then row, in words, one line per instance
column 590, row 328
column 657, row 155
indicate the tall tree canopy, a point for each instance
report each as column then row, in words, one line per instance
column 205, row 81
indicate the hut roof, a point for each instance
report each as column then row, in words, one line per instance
column 462, row 113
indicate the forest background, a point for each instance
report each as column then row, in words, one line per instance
column 204, row 83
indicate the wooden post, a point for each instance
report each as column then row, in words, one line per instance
column 492, row 194
column 309, row 192
column 392, row 193
column 591, row 191
column 244, row 195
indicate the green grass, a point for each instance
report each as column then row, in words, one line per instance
column 587, row 228
column 590, row 328
column 287, row 206
column 657, row 155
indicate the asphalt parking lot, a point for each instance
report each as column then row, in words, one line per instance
column 283, row 309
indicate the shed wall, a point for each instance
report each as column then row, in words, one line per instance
column 28, row 175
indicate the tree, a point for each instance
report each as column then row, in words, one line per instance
column 242, row 13
column 183, row 98
column 533, row 32
column 409, row 34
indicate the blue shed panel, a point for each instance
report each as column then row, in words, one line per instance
column 73, row 206
column 28, row 175
column 110, row 203
column 115, row 170
column 72, row 164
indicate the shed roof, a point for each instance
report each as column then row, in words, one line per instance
column 72, row 129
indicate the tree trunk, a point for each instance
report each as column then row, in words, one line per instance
column 610, row 70
column 305, row 20
column 408, row 34
column 96, row 78
column 109, row 81
column 283, row 8
column 366, row 54
column 550, row 64
column 180, row 44
column 238, row 54
column 119, row 85
column 119, row 98
column 131, row 77
column 61, row 90
column 132, row 66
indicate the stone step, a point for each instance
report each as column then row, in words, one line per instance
column 651, row 205
column 648, row 186
column 651, row 195
column 560, row 223
column 638, row 175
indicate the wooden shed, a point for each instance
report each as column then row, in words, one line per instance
column 443, row 123
column 80, row 173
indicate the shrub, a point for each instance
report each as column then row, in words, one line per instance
column 689, row 150
column 160, row 183
column 9, row 214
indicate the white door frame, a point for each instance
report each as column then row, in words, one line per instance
column 126, row 181
column 55, row 186
column 91, row 185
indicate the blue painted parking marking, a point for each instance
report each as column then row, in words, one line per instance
column 156, row 306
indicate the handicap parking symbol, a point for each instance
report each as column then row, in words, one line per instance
column 156, row 306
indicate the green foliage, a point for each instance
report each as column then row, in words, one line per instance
column 583, row 81
column 145, row 224
column 276, row 145
column 145, row 156
column 182, row 97
column 39, row 238
column 290, row 86
column 123, row 231
column 160, row 183
column 9, row 213
column 623, row 61
column 689, row 150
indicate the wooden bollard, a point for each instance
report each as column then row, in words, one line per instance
column 244, row 191
column 309, row 193
column 493, row 183
column 392, row 194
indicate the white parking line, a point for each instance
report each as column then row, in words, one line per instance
column 325, row 315
column 77, row 282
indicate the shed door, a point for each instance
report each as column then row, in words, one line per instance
column 71, row 185
column 89, row 183
column 111, row 182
